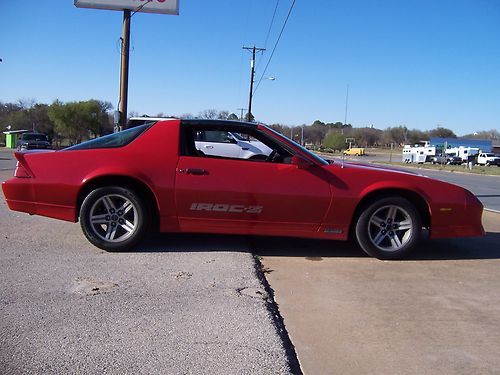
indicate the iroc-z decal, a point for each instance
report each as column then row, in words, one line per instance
column 221, row 207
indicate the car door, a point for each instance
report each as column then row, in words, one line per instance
column 216, row 193
column 242, row 196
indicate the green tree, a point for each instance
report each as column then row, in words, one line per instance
column 397, row 135
column 441, row 132
column 80, row 120
column 334, row 140
column 415, row 136
column 492, row 134
column 366, row 137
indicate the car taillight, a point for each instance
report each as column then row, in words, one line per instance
column 21, row 171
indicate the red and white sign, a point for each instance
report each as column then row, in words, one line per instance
column 145, row 6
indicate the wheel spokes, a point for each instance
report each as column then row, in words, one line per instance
column 390, row 228
column 113, row 218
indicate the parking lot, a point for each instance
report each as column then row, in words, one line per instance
column 195, row 304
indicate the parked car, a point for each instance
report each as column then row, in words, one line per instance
column 451, row 160
column 31, row 141
column 488, row 158
column 454, row 160
column 357, row 151
column 153, row 176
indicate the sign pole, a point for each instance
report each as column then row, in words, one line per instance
column 124, row 69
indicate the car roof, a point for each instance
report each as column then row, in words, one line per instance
column 218, row 123
column 135, row 121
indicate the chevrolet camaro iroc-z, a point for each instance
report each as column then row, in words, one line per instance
column 156, row 175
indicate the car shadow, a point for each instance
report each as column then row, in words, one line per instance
column 485, row 247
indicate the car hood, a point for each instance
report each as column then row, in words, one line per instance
column 365, row 178
column 372, row 167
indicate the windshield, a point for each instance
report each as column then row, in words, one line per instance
column 113, row 140
column 303, row 149
column 34, row 137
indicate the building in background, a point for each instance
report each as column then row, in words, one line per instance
column 482, row 144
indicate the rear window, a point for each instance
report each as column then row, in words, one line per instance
column 114, row 140
column 34, row 137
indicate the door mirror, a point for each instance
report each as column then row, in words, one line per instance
column 301, row 162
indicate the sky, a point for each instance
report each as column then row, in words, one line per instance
column 417, row 63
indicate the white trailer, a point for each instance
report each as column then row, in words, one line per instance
column 462, row 152
column 419, row 153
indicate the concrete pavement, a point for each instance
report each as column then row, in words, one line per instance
column 438, row 313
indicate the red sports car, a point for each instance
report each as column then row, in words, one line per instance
column 156, row 175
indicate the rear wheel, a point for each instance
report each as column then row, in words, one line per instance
column 114, row 218
column 389, row 228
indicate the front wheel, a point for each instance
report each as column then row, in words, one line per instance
column 114, row 218
column 389, row 228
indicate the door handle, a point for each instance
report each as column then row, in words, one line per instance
column 209, row 146
column 196, row 171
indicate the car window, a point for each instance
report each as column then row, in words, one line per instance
column 213, row 136
column 233, row 143
column 119, row 139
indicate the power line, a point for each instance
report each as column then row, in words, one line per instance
column 272, row 22
column 269, row 31
column 275, row 45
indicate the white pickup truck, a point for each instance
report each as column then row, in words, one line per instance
column 488, row 158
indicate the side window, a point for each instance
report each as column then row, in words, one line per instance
column 234, row 143
column 216, row 136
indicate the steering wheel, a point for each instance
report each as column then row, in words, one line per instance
column 271, row 156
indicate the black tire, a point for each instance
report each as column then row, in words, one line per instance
column 389, row 228
column 114, row 218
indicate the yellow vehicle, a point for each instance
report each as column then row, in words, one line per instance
column 358, row 151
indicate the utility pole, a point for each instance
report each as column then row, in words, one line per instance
column 241, row 112
column 125, row 48
column 252, row 66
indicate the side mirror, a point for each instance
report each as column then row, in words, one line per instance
column 301, row 162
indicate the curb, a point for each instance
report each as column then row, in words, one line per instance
column 279, row 324
column 491, row 210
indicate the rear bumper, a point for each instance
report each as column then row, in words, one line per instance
column 19, row 195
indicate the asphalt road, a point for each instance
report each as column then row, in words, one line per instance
column 177, row 305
